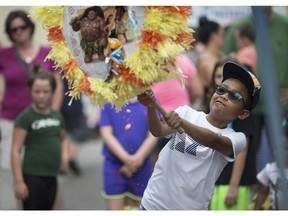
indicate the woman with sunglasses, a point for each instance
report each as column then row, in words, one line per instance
column 234, row 186
column 16, row 62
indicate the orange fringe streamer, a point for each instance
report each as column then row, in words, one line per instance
column 68, row 68
column 183, row 10
column 151, row 38
column 185, row 38
column 55, row 34
column 128, row 76
column 84, row 85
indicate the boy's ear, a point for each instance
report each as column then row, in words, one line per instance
column 244, row 114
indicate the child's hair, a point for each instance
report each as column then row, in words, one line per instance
column 38, row 73
column 218, row 64
column 18, row 14
column 206, row 28
column 247, row 31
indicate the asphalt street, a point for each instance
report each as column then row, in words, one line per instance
column 78, row 192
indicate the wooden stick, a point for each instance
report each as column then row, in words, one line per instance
column 164, row 113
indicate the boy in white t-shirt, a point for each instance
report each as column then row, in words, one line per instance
column 189, row 165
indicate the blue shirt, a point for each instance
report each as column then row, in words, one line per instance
column 129, row 126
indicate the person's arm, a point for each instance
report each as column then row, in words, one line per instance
column 142, row 153
column 238, row 167
column 201, row 135
column 207, row 138
column 64, row 151
column 262, row 193
column 18, row 138
column 75, row 23
column 108, row 27
column 205, row 70
column 113, row 144
column 59, row 92
column 147, row 146
column 156, row 126
column 116, row 148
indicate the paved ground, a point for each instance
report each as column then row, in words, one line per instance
column 79, row 193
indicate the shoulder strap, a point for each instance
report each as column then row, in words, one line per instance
column 24, row 65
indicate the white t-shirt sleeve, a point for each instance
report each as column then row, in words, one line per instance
column 181, row 110
column 238, row 140
column 263, row 175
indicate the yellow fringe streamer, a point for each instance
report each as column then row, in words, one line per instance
column 48, row 16
column 148, row 64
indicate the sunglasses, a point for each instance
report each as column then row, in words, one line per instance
column 233, row 96
column 22, row 28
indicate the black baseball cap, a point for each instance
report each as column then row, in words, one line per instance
column 236, row 71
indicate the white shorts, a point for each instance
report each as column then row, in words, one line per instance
column 6, row 129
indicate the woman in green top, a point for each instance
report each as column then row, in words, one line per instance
column 41, row 130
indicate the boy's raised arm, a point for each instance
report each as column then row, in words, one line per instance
column 156, row 127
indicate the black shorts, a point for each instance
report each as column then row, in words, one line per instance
column 76, row 126
column 42, row 192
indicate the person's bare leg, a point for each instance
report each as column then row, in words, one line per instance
column 74, row 148
column 115, row 204
column 131, row 204
column 58, row 204
column 88, row 57
column 19, row 204
column 73, row 164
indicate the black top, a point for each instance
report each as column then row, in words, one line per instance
column 249, row 172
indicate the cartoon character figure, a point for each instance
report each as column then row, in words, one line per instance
column 121, row 21
column 93, row 32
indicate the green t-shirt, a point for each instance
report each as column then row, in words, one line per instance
column 42, row 155
column 278, row 34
